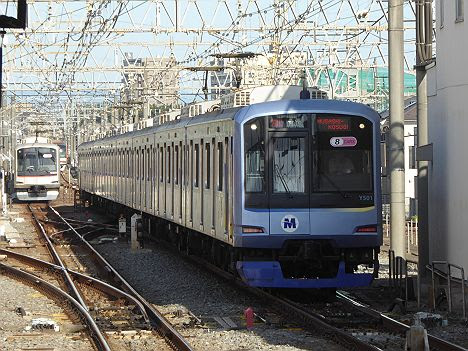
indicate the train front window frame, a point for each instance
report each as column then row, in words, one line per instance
column 343, row 159
column 37, row 161
column 353, row 138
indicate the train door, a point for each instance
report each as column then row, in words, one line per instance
column 196, row 204
column 167, row 192
column 288, row 182
column 200, row 184
column 135, row 157
column 177, row 185
column 181, row 179
column 220, row 188
column 172, row 173
column 148, row 192
column 161, row 189
column 208, row 185
column 144, row 193
column 190, row 182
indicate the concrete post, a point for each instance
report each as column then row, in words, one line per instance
column 122, row 225
column 416, row 339
column 396, row 140
column 424, row 54
column 135, row 244
column 3, row 193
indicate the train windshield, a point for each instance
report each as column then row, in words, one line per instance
column 289, row 166
column 35, row 161
column 342, row 154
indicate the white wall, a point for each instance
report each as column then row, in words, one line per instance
column 448, row 131
column 410, row 173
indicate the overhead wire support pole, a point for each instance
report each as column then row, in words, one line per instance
column 423, row 58
column 396, row 140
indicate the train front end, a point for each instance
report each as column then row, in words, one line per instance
column 37, row 172
column 309, row 213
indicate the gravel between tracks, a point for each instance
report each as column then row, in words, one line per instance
column 12, row 325
column 177, row 287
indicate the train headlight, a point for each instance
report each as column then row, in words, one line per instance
column 253, row 126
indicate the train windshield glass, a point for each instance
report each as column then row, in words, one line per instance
column 35, row 161
column 342, row 154
column 289, row 165
column 254, row 134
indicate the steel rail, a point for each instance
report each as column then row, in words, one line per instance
column 163, row 326
column 102, row 342
column 58, row 261
column 316, row 322
column 61, row 296
column 386, row 321
column 434, row 341
column 83, row 278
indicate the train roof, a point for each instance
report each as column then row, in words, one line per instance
column 178, row 123
column 304, row 106
column 25, row 146
column 240, row 114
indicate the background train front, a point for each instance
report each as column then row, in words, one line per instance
column 37, row 172
column 261, row 187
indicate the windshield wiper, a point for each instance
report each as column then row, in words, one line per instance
column 278, row 172
column 342, row 193
column 317, row 165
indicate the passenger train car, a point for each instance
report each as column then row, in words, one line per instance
column 286, row 193
column 37, row 172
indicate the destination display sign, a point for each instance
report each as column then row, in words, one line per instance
column 333, row 124
column 291, row 121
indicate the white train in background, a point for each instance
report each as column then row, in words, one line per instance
column 36, row 171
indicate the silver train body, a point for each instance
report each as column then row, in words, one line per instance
column 290, row 189
column 36, row 172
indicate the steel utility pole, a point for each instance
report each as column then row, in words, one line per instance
column 423, row 58
column 397, row 120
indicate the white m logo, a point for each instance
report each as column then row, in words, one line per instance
column 289, row 223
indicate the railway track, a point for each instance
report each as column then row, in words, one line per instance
column 347, row 321
column 157, row 321
column 100, row 306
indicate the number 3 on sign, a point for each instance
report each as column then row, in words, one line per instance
column 343, row 141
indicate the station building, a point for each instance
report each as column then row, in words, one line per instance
column 448, row 131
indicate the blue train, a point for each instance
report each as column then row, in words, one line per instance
column 286, row 193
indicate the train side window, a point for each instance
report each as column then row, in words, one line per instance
column 148, row 158
column 144, row 163
column 190, row 165
column 126, row 162
column 138, row 164
column 168, row 167
column 176, row 178
column 197, row 165
column 220, row 166
column 161, row 164
column 207, row 165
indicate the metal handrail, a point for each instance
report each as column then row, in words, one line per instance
column 449, row 278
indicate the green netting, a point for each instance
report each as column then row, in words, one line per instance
column 366, row 80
